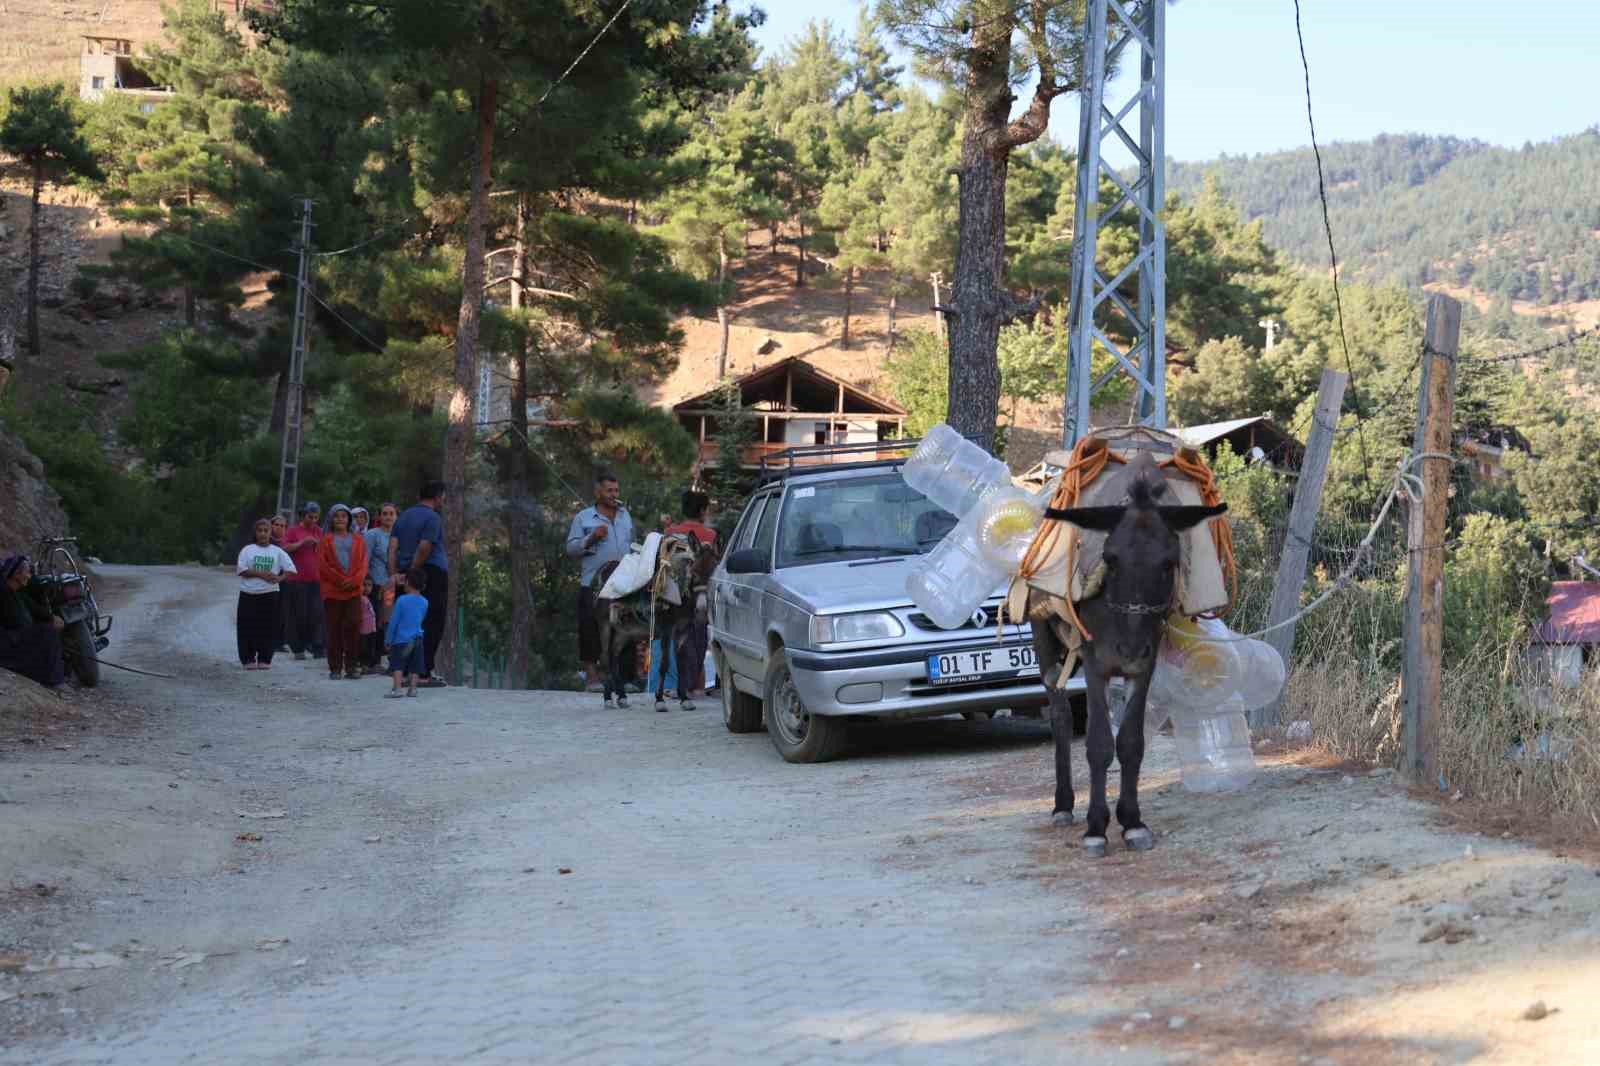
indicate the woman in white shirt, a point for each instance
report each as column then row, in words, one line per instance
column 261, row 567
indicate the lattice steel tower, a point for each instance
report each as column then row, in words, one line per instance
column 1098, row 308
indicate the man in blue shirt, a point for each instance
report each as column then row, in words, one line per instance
column 417, row 540
column 599, row 535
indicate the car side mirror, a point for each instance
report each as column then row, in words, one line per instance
column 748, row 561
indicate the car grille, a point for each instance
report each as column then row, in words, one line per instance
column 922, row 621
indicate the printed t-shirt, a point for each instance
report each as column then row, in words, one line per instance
column 263, row 560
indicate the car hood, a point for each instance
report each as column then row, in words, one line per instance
column 836, row 588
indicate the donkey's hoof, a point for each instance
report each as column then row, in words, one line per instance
column 661, row 706
column 1094, row 847
column 1062, row 819
column 1139, row 839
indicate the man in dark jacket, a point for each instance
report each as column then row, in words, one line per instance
column 30, row 636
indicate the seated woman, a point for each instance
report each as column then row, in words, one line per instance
column 30, row 636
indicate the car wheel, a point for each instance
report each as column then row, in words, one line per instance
column 799, row 735
column 741, row 712
column 77, row 648
column 977, row 716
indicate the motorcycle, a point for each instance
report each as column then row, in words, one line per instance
column 65, row 587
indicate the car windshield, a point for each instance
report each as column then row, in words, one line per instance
column 858, row 518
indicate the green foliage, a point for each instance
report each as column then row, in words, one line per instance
column 42, row 129
column 1495, row 586
column 1414, row 209
column 726, row 481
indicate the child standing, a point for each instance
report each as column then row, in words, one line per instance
column 403, row 638
column 261, row 567
column 369, row 628
column 341, row 567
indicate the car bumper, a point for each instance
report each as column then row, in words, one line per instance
column 893, row 683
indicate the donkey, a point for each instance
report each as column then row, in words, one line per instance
column 687, row 565
column 1126, row 617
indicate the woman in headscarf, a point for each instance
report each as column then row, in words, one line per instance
column 341, row 569
column 30, row 636
column 360, row 519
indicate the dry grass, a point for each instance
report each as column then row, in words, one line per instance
column 41, row 39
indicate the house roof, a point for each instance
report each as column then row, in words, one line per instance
column 766, row 385
column 1281, row 448
column 1574, row 614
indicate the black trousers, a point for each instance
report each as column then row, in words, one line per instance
column 258, row 625
column 304, row 607
column 433, row 623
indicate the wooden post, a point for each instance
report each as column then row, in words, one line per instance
column 1302, row 520
column 1423, row 670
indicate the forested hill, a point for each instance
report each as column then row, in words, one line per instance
column 1517, row 223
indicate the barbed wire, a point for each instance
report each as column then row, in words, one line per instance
column 1570, row 341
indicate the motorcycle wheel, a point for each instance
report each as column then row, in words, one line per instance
column 77, row 646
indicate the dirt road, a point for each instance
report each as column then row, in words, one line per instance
column 276, row 868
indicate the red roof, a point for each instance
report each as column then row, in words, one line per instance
column 1574, row 614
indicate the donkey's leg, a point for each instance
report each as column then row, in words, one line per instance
column 1051, row 660
column 607, row 635
column 1130, row 755
column 1099, row 749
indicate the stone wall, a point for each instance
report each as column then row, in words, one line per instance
column 29, row 507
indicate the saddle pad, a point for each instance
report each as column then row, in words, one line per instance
column 1202, row 587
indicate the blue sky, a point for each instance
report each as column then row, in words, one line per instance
column 1503, row 73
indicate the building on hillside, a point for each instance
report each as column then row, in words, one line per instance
column 1485, row 448
column 108, row 65
column 1569, row 640
column 1256, row 440
column 796, row 405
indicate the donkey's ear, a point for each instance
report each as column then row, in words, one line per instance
column 1098, row 519
column 1179, row 519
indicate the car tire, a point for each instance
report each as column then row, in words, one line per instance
column 741, row 712
column 799, row 735
column 977, row 716
column 77, row 648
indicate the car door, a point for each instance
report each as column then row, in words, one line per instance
column 734, row 598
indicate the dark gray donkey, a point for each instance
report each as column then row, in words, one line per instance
column 1126, row 618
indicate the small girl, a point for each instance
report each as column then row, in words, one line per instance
column 369, row 629
column 360, row 519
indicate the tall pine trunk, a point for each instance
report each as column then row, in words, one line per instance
column 976, row 295
column 463, row 394
column 800, row 263
column 35, row 212
column 188, row 287
column 722, row 307
column 849, row 291
column 894, row 307
column 519, row 502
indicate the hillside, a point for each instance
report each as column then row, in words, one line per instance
column 41, row 38
column 1519, row 225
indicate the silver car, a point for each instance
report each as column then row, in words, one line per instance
column 811, row 623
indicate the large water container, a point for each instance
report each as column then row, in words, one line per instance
column 952, row 581
column 952, row 471
column 1214, row 748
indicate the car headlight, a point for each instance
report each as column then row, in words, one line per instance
column 847, row 628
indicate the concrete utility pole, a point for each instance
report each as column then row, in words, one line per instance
column 1271, row 326
column 294, row 399
column 1422, row 673
column 938, row 302
column 1302, row 520
column 1111, row 27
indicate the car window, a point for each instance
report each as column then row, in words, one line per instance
column 767, row 531
column 747, row 524
column 859, row 518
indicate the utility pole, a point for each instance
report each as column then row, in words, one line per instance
column 1271, row 326
column 938, row 302
column 1142, row 354
column 1422, row 672
column 1302, row 520
column 294, row 399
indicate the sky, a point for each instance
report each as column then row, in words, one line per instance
column 1498, row 72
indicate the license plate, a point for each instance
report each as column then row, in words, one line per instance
column 982, row 664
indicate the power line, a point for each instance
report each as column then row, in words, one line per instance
column 370, row 240
column 1333, row 257
column 1569, row 341
column 587, row 49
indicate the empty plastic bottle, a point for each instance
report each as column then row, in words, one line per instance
column 996, row 522
column 952, row 471
column 1214, row 748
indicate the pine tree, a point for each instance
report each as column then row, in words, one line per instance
column 1001, row 44
column 872, row 72
column 42, row 131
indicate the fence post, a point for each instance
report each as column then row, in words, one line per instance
column 1423, row 670
column 460, row 650
column 1302, row 520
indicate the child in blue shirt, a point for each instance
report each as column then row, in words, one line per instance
column 403, row 638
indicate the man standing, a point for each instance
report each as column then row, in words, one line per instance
column 417, row 540
column 599, row 534
column 301, row 589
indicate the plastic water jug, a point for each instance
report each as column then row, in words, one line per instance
column 952, row 471
column 1214, row 749
column 996, row 522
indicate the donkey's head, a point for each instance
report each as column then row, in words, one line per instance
column 1141, row 557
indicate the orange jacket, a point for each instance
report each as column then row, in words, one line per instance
column 339, row 583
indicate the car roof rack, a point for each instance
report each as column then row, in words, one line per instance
column 827, row 458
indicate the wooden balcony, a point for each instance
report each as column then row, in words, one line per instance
column 751, row 455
